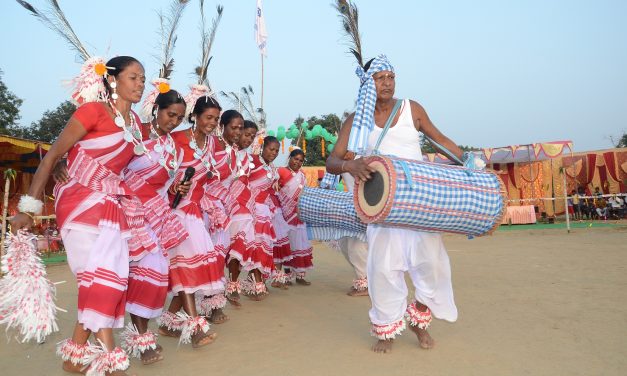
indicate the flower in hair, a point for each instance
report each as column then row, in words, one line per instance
column 163, row 87
column 100, row 69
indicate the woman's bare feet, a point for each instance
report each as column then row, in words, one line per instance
column 202, row 339
column 279, row 285
column 164, row 331
column 218, row 316
column 383, row 346
column 233, row 298
column 424, row 338
column 355, row 292
column 70, row 367
column 151, row 356
column 303, row 281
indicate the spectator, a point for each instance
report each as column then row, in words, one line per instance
column 617, row 207
column 577, row 209
column 601, row 207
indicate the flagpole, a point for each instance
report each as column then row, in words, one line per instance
column 261, row 81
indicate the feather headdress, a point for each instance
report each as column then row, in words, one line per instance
column 350, row 24
column 88, row 86
column 202, row 87
column 168, row 24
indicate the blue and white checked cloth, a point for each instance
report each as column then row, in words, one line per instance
column 329, row 181
column 363, row 122
column 329, row 208
column 439, row 198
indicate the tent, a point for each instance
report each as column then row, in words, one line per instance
column 23, row 156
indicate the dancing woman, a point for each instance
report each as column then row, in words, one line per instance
column 227, row 168
column 291, row 184
column 194, row 264
column 260, row 261
column 150, row 176
column 101, row 138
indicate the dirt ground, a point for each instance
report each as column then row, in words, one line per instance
column 539, row 302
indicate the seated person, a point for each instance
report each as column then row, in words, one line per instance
column 602, row 209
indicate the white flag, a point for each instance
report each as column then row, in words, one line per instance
column 261, row 36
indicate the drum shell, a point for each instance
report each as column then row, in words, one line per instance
column 437, row 198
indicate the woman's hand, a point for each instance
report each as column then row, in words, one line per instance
column 359, row 168
column 59, row 172
column 183, row 188
column 21, row 221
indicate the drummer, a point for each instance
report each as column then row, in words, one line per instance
column 394, row 251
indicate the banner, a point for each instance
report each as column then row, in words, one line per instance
column 261, row 36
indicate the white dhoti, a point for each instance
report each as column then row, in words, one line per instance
column 391, row 253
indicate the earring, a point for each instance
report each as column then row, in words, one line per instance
column 153, row 132
column 114, row 86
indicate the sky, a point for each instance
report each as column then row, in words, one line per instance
column 489, row 73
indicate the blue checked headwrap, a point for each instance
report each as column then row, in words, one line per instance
column 329, row 181
column 364, row 115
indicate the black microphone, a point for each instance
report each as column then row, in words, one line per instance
column 189, row 172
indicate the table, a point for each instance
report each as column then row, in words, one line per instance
column 517, row 215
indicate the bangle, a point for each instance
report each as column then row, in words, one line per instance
column 30, row 215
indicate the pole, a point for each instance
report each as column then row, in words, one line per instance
column 261, row 81
column 566, row 201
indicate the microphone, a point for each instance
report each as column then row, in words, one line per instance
column 189, row 172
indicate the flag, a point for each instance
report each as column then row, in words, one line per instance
column 261, row 36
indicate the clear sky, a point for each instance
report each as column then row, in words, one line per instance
column 489, row 72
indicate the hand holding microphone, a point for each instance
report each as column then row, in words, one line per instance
column 189, row 173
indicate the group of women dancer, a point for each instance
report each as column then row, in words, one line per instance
column 146, row 212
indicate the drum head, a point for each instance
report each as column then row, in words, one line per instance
column 372, row 196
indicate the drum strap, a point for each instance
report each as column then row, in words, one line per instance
column 388, row 123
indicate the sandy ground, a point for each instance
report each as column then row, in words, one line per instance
column 540, row 302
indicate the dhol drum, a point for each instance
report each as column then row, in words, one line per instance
column 430, row 197
column 329, row 209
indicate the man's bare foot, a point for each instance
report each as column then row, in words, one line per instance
column 233, row 298
column 424, row 338
column 164, row 331
column 70, row 367
column 202, row 339
column 303, row 281
column 150, row 356
column 383, row 346
column 218, row 316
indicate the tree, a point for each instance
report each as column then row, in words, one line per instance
column 313, row 156
column 622, row 143
column 48, row 128
column 9, row 109
column 427, row 147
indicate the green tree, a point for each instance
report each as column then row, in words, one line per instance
column 48, row 128
column 622, row 143
column 313, row 157
column 9, row 109
column 427, row 147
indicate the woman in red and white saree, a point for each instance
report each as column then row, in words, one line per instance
column 97, row 227
column 260, row 261
column 150, row 176
column 291, row 183
column 227, row 166
column 194, row 264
